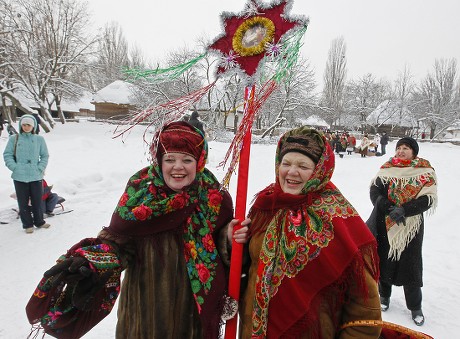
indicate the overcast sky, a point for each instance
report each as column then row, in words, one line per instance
column 381, row 36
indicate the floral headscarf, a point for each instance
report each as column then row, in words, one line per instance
column 298, row 229
column 148, row 207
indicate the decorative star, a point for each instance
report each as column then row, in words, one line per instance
column 248, row 35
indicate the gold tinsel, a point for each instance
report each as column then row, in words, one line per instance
column 248, row 24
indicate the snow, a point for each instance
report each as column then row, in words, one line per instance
column 118, row 92
column 389, row 113
column 67, row 104
column 90, row 169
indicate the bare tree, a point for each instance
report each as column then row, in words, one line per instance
column 136, row 57
column 334, row 81
column 401, row 96
column 113, row 55
column 189, row 80
column 292, row 101
column 47, row 41
column 362, row 96
column 436, row 98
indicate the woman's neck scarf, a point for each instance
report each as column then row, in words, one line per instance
column 148, row 207
column 298, row 230
column 406, row 180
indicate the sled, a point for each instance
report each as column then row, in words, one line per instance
column 59, row 204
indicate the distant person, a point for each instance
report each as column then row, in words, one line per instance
column 1, row 123
column 404, row 188
column 26, row 156
column 195, row 122
column 377, row 139
column 363, row 147
column 335, row 141
column 351, row 143
column 384, row 142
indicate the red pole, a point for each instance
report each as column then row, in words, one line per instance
column 240, row 214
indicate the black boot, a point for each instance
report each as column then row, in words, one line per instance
column 418, row 317
column 384, row 303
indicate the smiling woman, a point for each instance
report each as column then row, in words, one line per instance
column 313, row 261
column 171, row 233
column 294, row 171
column 178, row 170
column 404, row 188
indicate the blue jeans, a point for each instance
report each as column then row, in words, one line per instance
column 50, row 203
column 30, row 214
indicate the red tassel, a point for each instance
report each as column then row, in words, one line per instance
column 252, row 105
column 163, row 113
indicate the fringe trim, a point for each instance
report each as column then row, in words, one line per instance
column 399, row 236
column 35, row 331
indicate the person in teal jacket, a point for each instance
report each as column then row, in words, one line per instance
column 26, row 156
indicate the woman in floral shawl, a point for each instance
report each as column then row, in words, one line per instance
column 313, row 260
column 170, row 232
column 402, row 190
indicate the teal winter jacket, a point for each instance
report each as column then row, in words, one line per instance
column 29, row 161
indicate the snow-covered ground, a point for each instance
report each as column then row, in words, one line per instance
column 90, row 169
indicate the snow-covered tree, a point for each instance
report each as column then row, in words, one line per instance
column 334, row 81
column 112, row 56
column 47, row 40
column 362, row 96
column 293, row 101
column 436, row 98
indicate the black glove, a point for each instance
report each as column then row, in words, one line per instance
column 397, row 214
column 83, row 282
column 86, row 289
column 70, row 270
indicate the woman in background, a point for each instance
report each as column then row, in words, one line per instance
column 402, row 190
column 26, row 156
column 364, row 146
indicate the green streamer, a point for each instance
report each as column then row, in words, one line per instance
column 161, row 74
column 290, row 50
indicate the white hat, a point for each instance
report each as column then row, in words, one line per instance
column 28, row 121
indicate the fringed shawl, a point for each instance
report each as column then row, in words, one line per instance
column 312, row 241
column 406, row 180
column 149, row 208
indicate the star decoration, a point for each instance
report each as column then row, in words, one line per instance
column 248, row 36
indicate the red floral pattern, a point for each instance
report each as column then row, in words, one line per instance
column 147, row 196
column 142, row 212
column 293, row 238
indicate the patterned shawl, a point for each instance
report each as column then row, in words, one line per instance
column 310, row 241
column 406, row 180
column 149, row 207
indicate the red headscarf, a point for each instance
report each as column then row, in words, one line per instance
column 180, row 137
column 312, row 241
column 148, row 207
